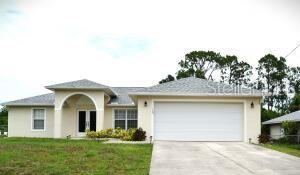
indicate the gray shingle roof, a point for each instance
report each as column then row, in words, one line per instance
column 82, row 84
column 48, row 99
column 120, row 95
column 294, row 116
column 122, row 98
column 40, row 100
column 197, row 86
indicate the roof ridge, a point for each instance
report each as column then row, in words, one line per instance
column 177, row 80
column 210, row 81
column 127, row 87
column 75, row 81
column 194, row 85
column 82, row 84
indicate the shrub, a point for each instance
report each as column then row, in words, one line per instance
column 290, row 127
column 125, row 136
column 282, row 140
column 287, row 139
column 263, row 138
column 102, row 134
column 131, row 134
column 265, row 129
column 139, row 135
column 91, row 134
column 106, row 133
column 109, row 132
column 128, row 135
column 117, row 133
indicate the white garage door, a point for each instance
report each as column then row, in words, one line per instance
column 189, row 121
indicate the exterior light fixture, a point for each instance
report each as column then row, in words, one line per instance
column 145, row 104
column 252, row 105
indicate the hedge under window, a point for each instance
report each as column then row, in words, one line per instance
column 38, row 119
column 125, row 118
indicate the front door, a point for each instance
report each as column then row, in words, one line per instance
column 86, row 120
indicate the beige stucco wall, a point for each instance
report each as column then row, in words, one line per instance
column 252, row 123
column 19, row 122
column 108, row 112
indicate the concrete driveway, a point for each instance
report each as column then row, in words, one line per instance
column 219, row 158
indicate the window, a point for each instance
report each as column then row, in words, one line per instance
column 131, row 118
column 125, row 118
column 120, row 118
column 38, row 119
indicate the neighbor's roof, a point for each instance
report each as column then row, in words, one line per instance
column 82, row 84
column 197, row 87
column 294, row 116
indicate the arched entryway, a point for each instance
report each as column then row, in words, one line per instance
column 67, row 105
column 79, row 113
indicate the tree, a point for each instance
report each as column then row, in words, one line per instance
column 234, row 71
column 290, row 127
column 271, row 77
column 265, row 116
column 268, row 114
column 294, row 87
column 200, row 64
column 167, row 79
column 294, row 80
column 3, row 116
column 281, row 98
column 295, row 103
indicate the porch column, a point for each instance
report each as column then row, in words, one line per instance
column 100, row 120
column 57, row 123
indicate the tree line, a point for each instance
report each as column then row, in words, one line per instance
column 273, row 76
column 3, row 116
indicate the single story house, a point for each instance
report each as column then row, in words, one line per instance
column 276, row 130
column 189, row 109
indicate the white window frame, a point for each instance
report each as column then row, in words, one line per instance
column 113, row 116
column 32, row 120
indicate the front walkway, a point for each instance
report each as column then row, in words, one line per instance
column 222, row 158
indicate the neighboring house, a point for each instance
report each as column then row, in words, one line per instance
column 276, row 131
column 189, row 109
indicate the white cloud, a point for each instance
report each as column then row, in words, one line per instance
column 138, row 42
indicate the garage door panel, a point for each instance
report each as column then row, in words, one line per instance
column 198, row 121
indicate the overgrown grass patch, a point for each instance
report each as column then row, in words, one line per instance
column 292, row 149
column 62, row 156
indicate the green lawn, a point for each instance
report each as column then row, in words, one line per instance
column 292, row 149
column 61, row 156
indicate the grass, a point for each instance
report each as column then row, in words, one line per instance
column 292, row 149
column 62, row 156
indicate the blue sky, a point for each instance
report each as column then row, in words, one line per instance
column 134, row 42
